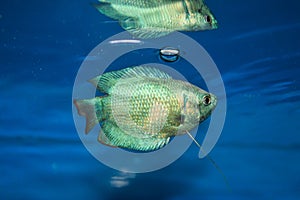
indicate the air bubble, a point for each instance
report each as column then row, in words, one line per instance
column 169, row 54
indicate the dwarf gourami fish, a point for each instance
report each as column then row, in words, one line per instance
column 144, row 107
column 156, row 18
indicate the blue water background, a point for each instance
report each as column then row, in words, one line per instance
column 257, row 50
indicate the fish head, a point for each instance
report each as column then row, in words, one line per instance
column 206, row 104
column 203, row 19
column 197, row 106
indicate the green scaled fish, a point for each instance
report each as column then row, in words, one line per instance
column 143, row 108
column 156, row 18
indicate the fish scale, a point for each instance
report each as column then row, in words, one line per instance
column 149, row 100
column 139, row 103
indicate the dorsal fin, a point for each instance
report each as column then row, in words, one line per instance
column 140, row 4
column 107, row 80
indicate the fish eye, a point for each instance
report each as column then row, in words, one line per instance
column 208, row 19
column 206, row 100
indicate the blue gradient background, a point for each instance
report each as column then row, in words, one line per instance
column 257, row 50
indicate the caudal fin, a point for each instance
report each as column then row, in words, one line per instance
column 107, row 9
column 87, row 108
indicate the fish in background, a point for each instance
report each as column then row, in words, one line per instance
column 143, row 108
column 148, row 19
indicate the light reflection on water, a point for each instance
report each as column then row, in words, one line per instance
column 268, row 30
column 121, row 180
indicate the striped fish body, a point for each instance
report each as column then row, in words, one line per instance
column 156, row 18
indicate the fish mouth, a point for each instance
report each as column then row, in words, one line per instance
column 214, row 24
column 213, row 102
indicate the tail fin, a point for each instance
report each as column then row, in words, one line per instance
column 87, row 108
column 107, row 9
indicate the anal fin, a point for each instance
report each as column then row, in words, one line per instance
column 104, row 140
column 148, row 33
column 112, row 135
